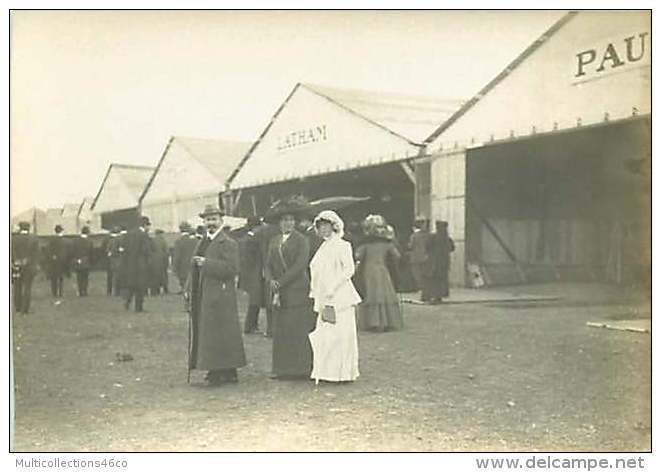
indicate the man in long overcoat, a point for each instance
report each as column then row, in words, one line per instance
column 82, row 260
column 264, row 235
column 56, row 261
column 418, row 245
column 251, row 278
column 137, row 255
column 24, row 253
column 114, row 251
column 216, row 341
column 183, row 252
column 159, row 264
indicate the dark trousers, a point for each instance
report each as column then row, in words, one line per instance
column 135, row 293
column 269, row 321
column 56, row 283
column 252, row 319
column 22, row 294
column 82, row 279
column 111, row 282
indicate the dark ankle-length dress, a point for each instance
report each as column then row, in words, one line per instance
column 294, row 320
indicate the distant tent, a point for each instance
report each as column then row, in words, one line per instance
column 36, row 217
column 86, row 217
column 117, row 201
column 54, row 216
column 70, row 218
column 190, row 174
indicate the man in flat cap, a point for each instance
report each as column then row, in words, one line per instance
column 216, row 343
column 56, row 261
column 136, row 260
column 24, row 252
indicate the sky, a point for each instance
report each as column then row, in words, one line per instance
column 89, row 88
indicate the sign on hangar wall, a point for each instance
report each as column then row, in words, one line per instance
column 594, row 66
column 311, row 136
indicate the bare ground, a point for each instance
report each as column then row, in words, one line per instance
column 494, row 377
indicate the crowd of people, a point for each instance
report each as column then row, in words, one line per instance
column 316, row 281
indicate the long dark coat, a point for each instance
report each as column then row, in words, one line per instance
column 114, row 251
column 57, row 256
column 436, row 269
column 251, row 279
column 419, row 256
column 136, row 259
column 159, row 262
column 182, row 254
column 25, row 252
column 82, row 253
column 219, row 343
column 294, row 320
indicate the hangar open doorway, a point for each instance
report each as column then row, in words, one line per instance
column 389, row 188
column 570, row 205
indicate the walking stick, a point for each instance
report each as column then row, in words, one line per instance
column 190, row 327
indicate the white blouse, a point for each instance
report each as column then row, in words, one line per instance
column 331, row 270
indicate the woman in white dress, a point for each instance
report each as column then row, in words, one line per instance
column 334, row 340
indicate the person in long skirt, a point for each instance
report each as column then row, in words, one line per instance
column 380, row 309
column 334, row 340
column 287, row 277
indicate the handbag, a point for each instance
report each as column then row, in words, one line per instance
column 328, row 314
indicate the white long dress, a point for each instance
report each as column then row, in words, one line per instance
column 334, row 345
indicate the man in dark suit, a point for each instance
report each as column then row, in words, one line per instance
column 183, row 252
column 25, row 249
column 159, row 264
column 418, row 247
column 251, row 278
column 216, row 341
column 264, row 234
column 57, row 261
column 138, row 252
column 114, row 251
column 82, row 260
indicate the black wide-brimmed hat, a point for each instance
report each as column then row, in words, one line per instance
column 296, row 205
column 211, row 210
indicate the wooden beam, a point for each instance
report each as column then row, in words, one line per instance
column 408, row 170
column 254, row 205
column 499, row 240
column 235, row 203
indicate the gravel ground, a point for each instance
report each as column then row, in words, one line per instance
column 482, row 377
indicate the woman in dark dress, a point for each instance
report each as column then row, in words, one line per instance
column 287, row 277
column 380, row 309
